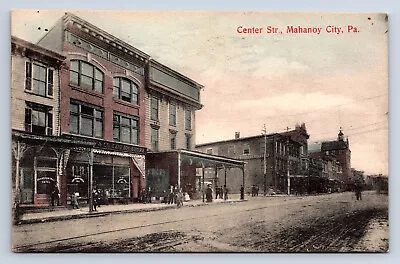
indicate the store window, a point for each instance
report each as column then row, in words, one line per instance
column 126, row 90
column 39, row 79
column 126, row 128
column 38, row 119
column 112, row 181
column 86, row 120
column 86, row 75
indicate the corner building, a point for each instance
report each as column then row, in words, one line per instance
column 103, row 103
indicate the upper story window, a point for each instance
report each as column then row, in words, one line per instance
column 126, row 90
column 188, row 119
column 154, row 108
column 188, row 142
column 39, row 79
column 172, row 137
column 172, row 114
column 209, row 151
column 86, row 76
column 126, row 128
column 38, row 119
column 86, row 120
column 246, row 149
column 154, row 139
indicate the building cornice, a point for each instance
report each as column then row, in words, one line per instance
column 23, row 48
column 101, row 35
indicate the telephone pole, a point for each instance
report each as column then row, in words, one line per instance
column 265, row 159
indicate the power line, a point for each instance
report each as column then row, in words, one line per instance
column 352, row 128
column 322, row 108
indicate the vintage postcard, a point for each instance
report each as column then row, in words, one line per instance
column 173, row 131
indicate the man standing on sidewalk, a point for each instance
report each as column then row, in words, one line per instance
column 241, row 192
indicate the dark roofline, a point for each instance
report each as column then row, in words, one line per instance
column 236, row 139
column 37, row 48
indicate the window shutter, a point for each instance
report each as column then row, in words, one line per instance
column 28, row 75
column 50, row 82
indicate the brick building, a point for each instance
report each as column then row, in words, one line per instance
column 103, row 102
column 339, row 152
column 283, row 157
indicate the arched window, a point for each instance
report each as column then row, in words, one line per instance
column 86, row 76
column 126, row 90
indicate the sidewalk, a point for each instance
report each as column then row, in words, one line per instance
column 69, row 213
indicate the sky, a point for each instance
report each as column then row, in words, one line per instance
column 325, row 80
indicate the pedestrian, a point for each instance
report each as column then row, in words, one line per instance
column 358, row 190
column 74, row 200
column 179, row 198
column 257, row 189
column 225, row 193
column 253, row 190
column 95, row 200
column 216, row 192
column 55, row 196
column 241, row 192
column 209, row 194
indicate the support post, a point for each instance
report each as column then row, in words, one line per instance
column 91, row 181
column 288, row 167
column 179, row 170
column 17, row 174
column 225, row 187
column 202, row 186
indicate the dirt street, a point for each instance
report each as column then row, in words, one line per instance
column 325, row 223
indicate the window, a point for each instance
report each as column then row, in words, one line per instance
column 154, row 139
column 246, row 149
column 86, row 76
column 86, row 120
column 172, row 114
column 188, row 119
column 38, row 119
column 39, row 79
column 172, row 138
column 188, row 141
column 126, row 90
column 209, row 151
column 154, row 108
column 126, row 128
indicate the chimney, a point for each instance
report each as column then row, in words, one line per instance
column 237, row 135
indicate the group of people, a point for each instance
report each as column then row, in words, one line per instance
column 221, row 192
column 254, row 190
column 173, row 196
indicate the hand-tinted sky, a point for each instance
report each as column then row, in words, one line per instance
column 326, row 81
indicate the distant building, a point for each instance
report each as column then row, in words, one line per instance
column 332, row 152
column 279, row 150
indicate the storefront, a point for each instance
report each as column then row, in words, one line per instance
column 178, row 168
column 118, row 172
column 38, row 164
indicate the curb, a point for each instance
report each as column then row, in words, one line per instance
column 128, row 211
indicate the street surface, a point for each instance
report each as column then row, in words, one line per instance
column 325, row 223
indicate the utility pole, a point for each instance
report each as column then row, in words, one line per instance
column 265, row 159
column 288, row 167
